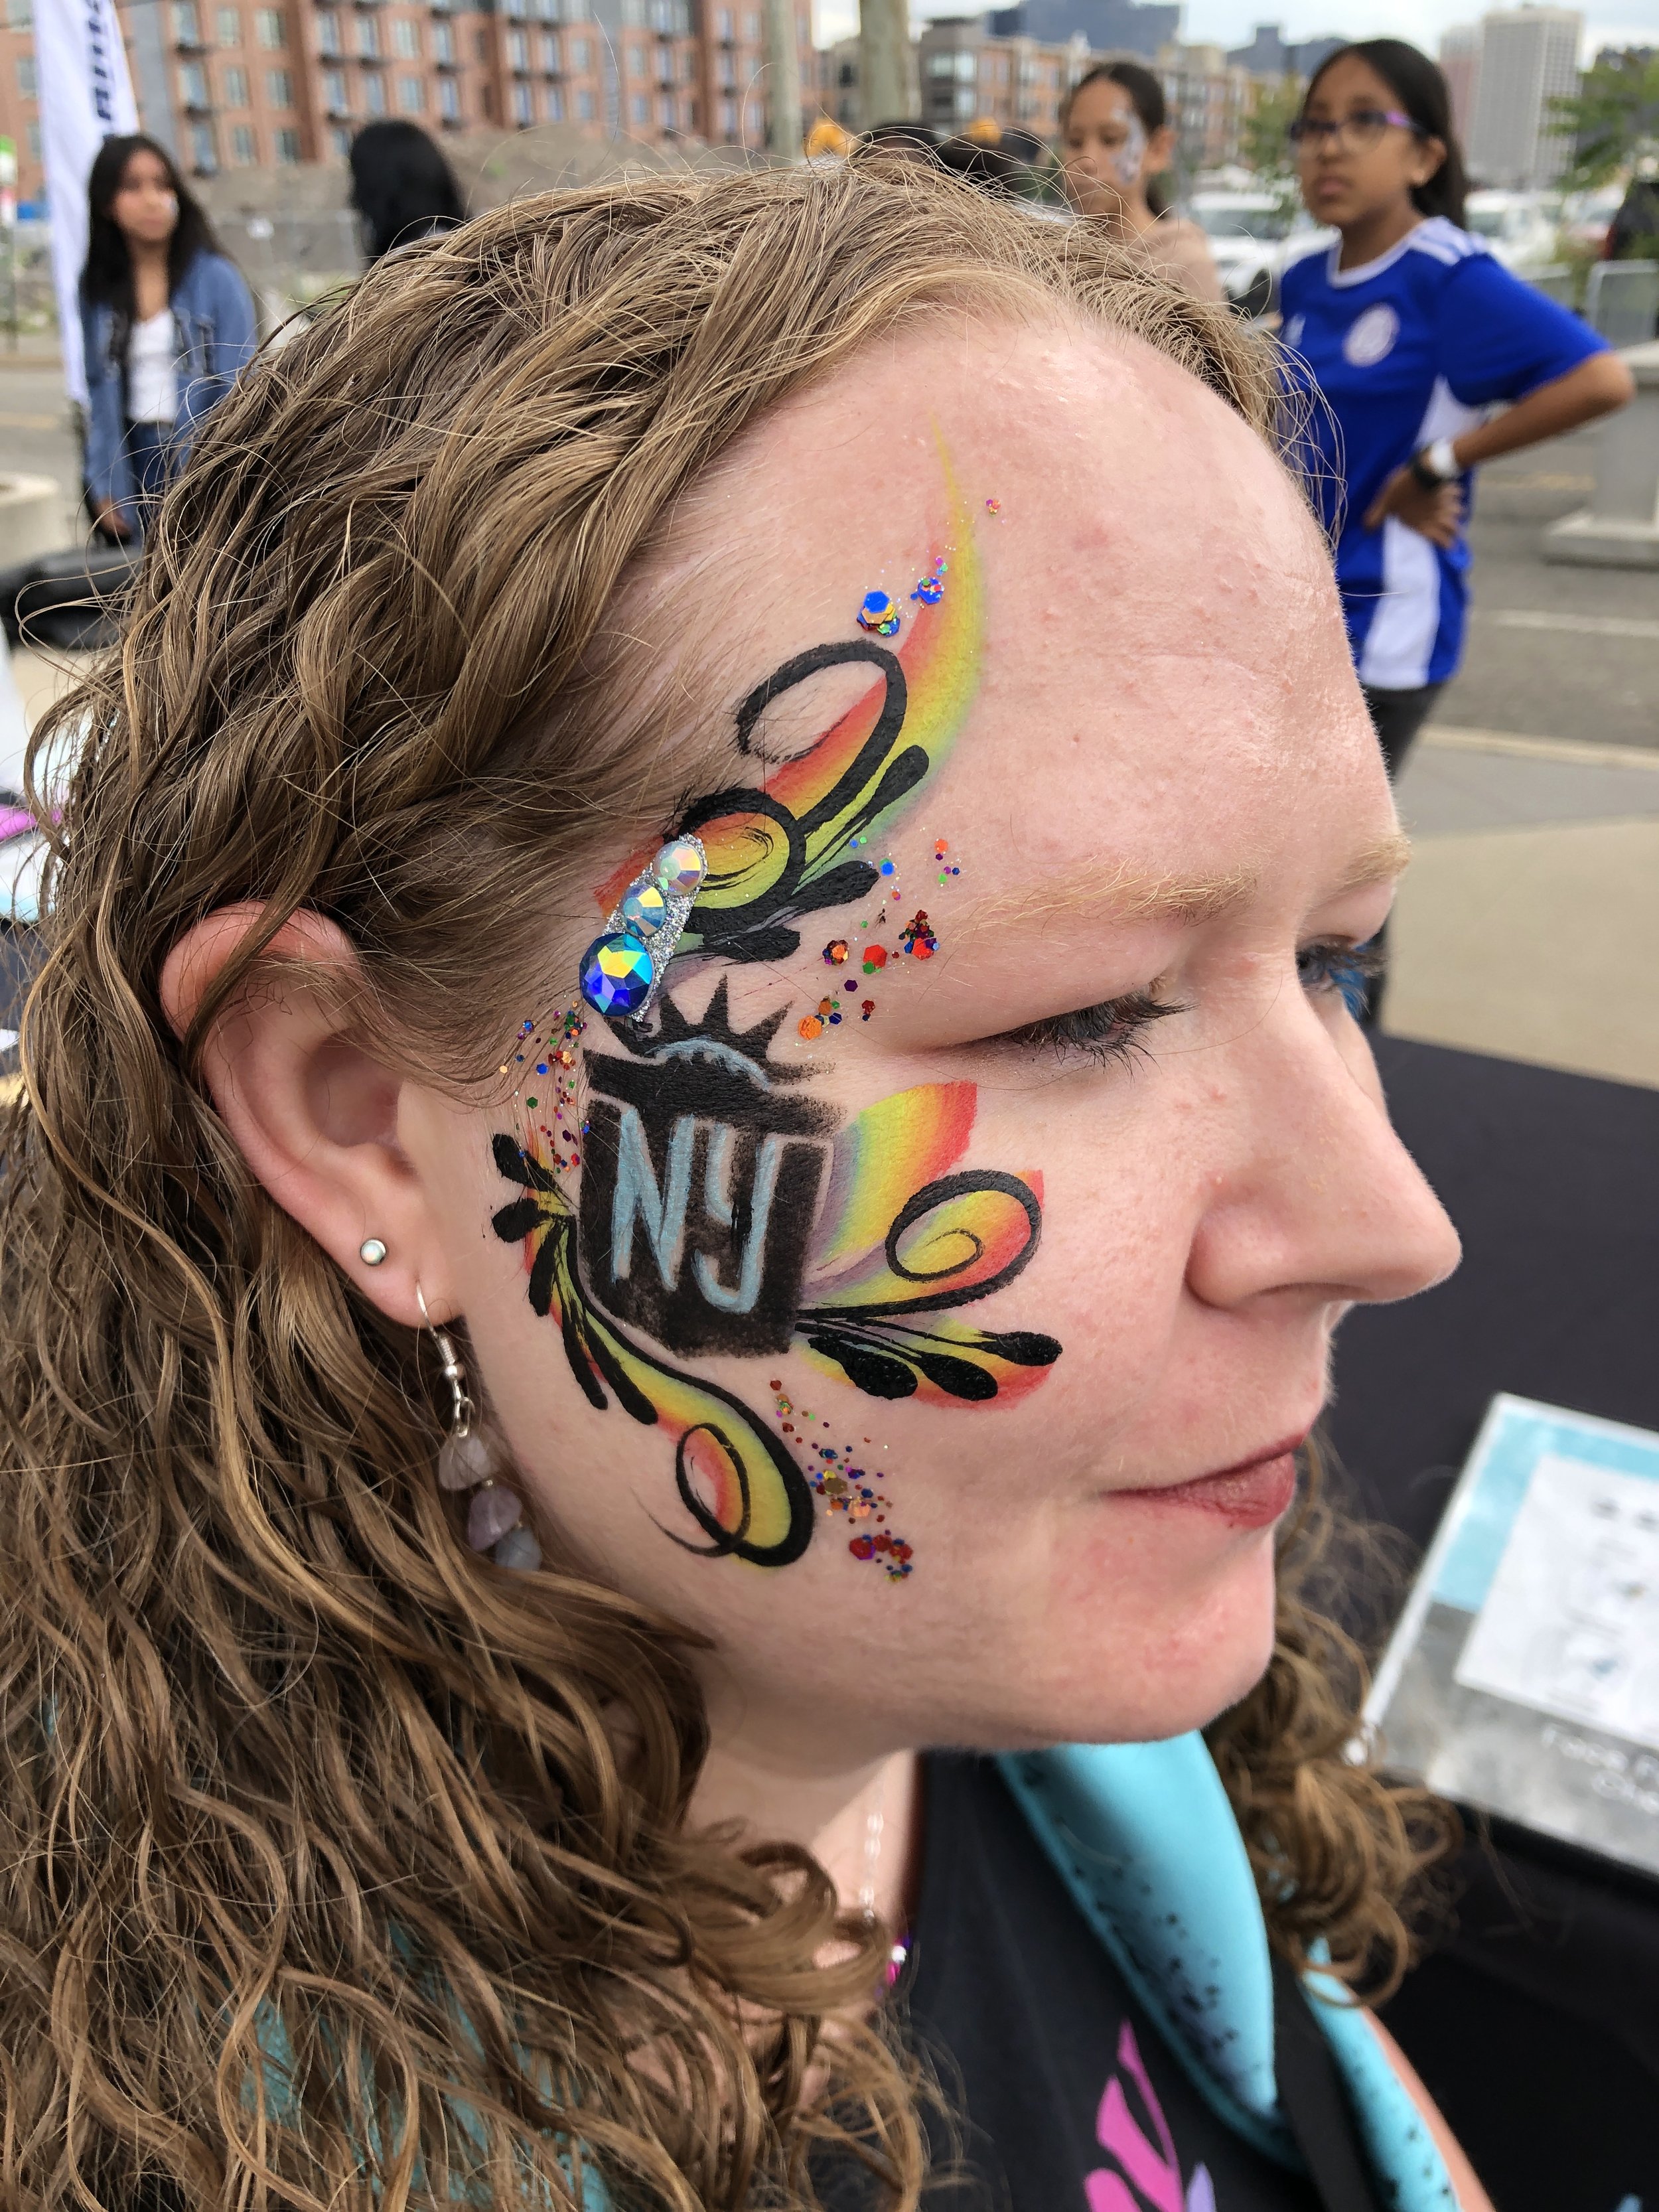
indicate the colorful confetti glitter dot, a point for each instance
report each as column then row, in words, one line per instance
column 868, row 1008
column 877, row 612
column 863, row 1547
column 875, row 957
column 993, row 507
column 887, row 867
column 835, row 952
column 812, row 1026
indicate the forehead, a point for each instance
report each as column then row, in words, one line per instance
column 1157, row 642
column 1102, row 101
column 1351, row 79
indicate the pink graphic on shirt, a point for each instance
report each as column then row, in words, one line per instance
column 1152, row 2167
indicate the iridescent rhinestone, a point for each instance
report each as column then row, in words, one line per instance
column 680, row 867
column 617, row 974
column 644, row 906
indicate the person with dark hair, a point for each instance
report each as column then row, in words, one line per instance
column 402, row 186
column 1116, row 140
column 166, row 324
column 1411, row 329
column 910, row 140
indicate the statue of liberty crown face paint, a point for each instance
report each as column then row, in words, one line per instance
column 939, row 1367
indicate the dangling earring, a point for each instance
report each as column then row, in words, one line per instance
column 467, row 1459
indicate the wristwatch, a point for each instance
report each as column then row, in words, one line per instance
column 1436, row 465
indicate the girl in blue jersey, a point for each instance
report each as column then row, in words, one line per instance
column 1413, row 332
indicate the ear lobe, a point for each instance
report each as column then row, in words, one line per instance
column 312, row 1113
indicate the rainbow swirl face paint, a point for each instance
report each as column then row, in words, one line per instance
column 724, row 1209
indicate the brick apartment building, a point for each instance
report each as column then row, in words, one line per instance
column 232, row 85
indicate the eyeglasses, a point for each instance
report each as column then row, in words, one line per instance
column 1356, row 133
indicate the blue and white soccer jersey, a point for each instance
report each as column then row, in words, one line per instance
column 1415, row 346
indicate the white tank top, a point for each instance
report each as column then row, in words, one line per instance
column 152, row 370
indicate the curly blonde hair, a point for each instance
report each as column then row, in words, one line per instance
column 325, row 1883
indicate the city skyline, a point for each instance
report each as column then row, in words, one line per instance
column 1230, row 22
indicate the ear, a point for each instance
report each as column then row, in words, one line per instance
column 315, row 1116
column 1160, row 152
column 1431, row 158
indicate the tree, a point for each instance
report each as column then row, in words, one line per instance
column 1265, row 143
column 1613, row 120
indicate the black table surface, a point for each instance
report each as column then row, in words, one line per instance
column 1536, row 2024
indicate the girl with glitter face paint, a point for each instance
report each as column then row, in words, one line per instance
column 1116, row 141
column 638, row 1201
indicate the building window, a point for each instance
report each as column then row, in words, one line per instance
column 411, row 96
column 227, row 27
column 26, row 75
column 665, row 111
column 517, row 50
column 32, row 133
column 579, row 54
column 584, row 106
column 722, row 22
column 20, row 16
column 368, row 39
column 554, row 104
column 406, row 38
column 244, row 148
column 334, row 92
column 487, row 101
column 449, row 100
column 279, row 89
column 549, row 50
column 638, row 64
column 328, row 37
column 270, row 29
column 641, row 108
column 204, row 155
column 524, row 111
column 339, row 139
column 287, row 148
column 375, row 91
column 193, row 83
column 186, row 29
column 443, row 42
column 729, row 119
column 751, row 28
column 234, row 82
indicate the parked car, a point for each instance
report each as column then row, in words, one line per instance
column 1521, row 228
column 1252, row 234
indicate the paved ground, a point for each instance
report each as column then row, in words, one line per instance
column 1529, row 924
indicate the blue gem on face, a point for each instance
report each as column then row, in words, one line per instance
column 644, row 907
column 617, row 974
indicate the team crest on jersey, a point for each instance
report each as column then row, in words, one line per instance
column 1370, row 337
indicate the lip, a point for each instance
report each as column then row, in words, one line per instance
column 1251, row 1494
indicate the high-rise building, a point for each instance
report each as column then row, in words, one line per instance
column 1528, row 57
column 1271, row 54
column 1460, row 64
column 1106, row 27
column 967, row 70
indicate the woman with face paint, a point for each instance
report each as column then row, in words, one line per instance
column 692, row 1138
column 1413, row 335
column 1116, row 141
column 166, row 323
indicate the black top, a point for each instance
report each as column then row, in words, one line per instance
column 1063, row 2091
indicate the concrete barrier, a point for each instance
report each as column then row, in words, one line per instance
column 32, row 519
column 1619, row 528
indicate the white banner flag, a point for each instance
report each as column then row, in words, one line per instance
column 86, row 96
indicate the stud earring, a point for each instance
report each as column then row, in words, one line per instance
column 468, row 1460
column 371, row 1251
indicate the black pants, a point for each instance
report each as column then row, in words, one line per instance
column 1396, row 716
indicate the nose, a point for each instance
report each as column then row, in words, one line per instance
column 1311, row 1190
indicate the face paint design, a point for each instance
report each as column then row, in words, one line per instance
column 1128, row 158
column 720, row 1212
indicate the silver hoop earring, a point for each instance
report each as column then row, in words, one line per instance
column 469, row 1460
column 371, row 1252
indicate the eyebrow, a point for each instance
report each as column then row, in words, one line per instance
column 1128, row 896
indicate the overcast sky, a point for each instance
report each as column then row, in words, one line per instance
column 1230, row 23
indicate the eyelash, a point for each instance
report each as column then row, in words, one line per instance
column 1115, row 1030
column 1333, row 965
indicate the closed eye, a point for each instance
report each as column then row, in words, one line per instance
column 1114, row 1031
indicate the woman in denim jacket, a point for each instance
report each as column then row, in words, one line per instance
column 166, row 321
